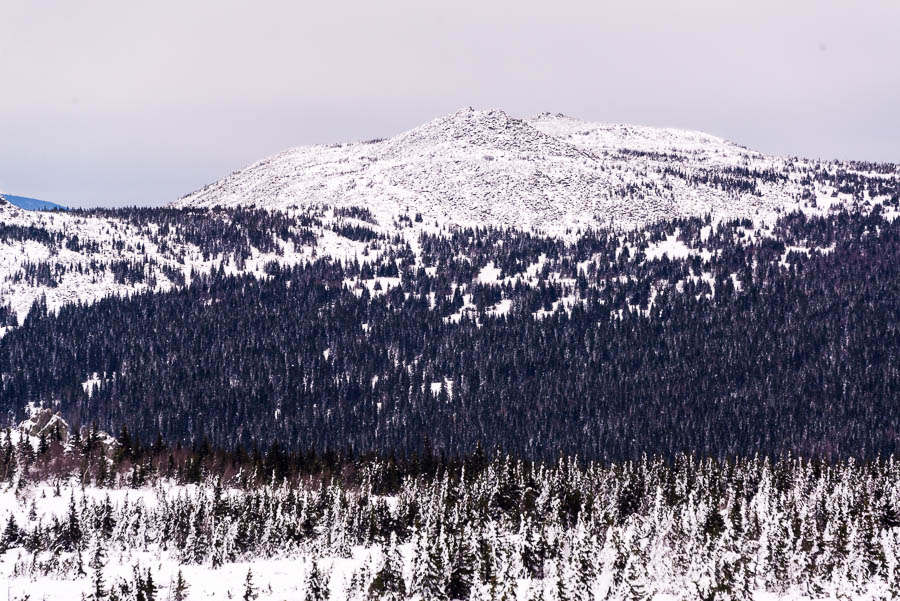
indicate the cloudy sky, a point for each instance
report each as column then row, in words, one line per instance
column 113, row 103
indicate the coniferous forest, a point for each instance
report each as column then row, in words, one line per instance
column 430, row 527
column 606, row 355
column 492, row 415
column 278, row 322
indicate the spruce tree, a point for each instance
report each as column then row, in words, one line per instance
column 533, row 549
column 10, row 535
column 179, row 591
column 316, row 584
column 360, row 580
column 149, row 586
column 250, row 592
column 580, row 569
column 635, row 584
column 429, row 571
column 140, row 593
column 73, row 525
column 462, row 565
column 388, row 583
column 97, row 564
column 504, row 581
column 99, row 586
column 107, row 521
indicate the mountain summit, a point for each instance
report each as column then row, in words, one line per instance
column 485, row 167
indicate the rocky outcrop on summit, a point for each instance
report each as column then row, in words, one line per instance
column 550, row 172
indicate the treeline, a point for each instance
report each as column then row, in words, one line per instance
column 232, row 232
column 59, row 452
column 214, row 231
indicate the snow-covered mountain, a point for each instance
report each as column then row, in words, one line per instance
column 358, row 201
column 549, row 172
column 32, row 204
column 661, row 336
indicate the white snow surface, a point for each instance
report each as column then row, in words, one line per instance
column 276, row 578
column 671, row 247
column 485, row 167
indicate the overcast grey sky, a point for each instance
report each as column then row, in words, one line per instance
column 112, row 103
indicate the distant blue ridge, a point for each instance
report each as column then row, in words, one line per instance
column 33, row 204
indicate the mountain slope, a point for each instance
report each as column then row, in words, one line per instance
column 32, row 204
column 678, row 337
column 363, row 201
column 551, row 172
column 70, row 257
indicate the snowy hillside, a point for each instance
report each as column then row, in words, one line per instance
column 357, row 202
column 71, row 257
column 550, row 172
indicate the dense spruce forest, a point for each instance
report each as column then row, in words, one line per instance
column 472, row 528
column 593, row 346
